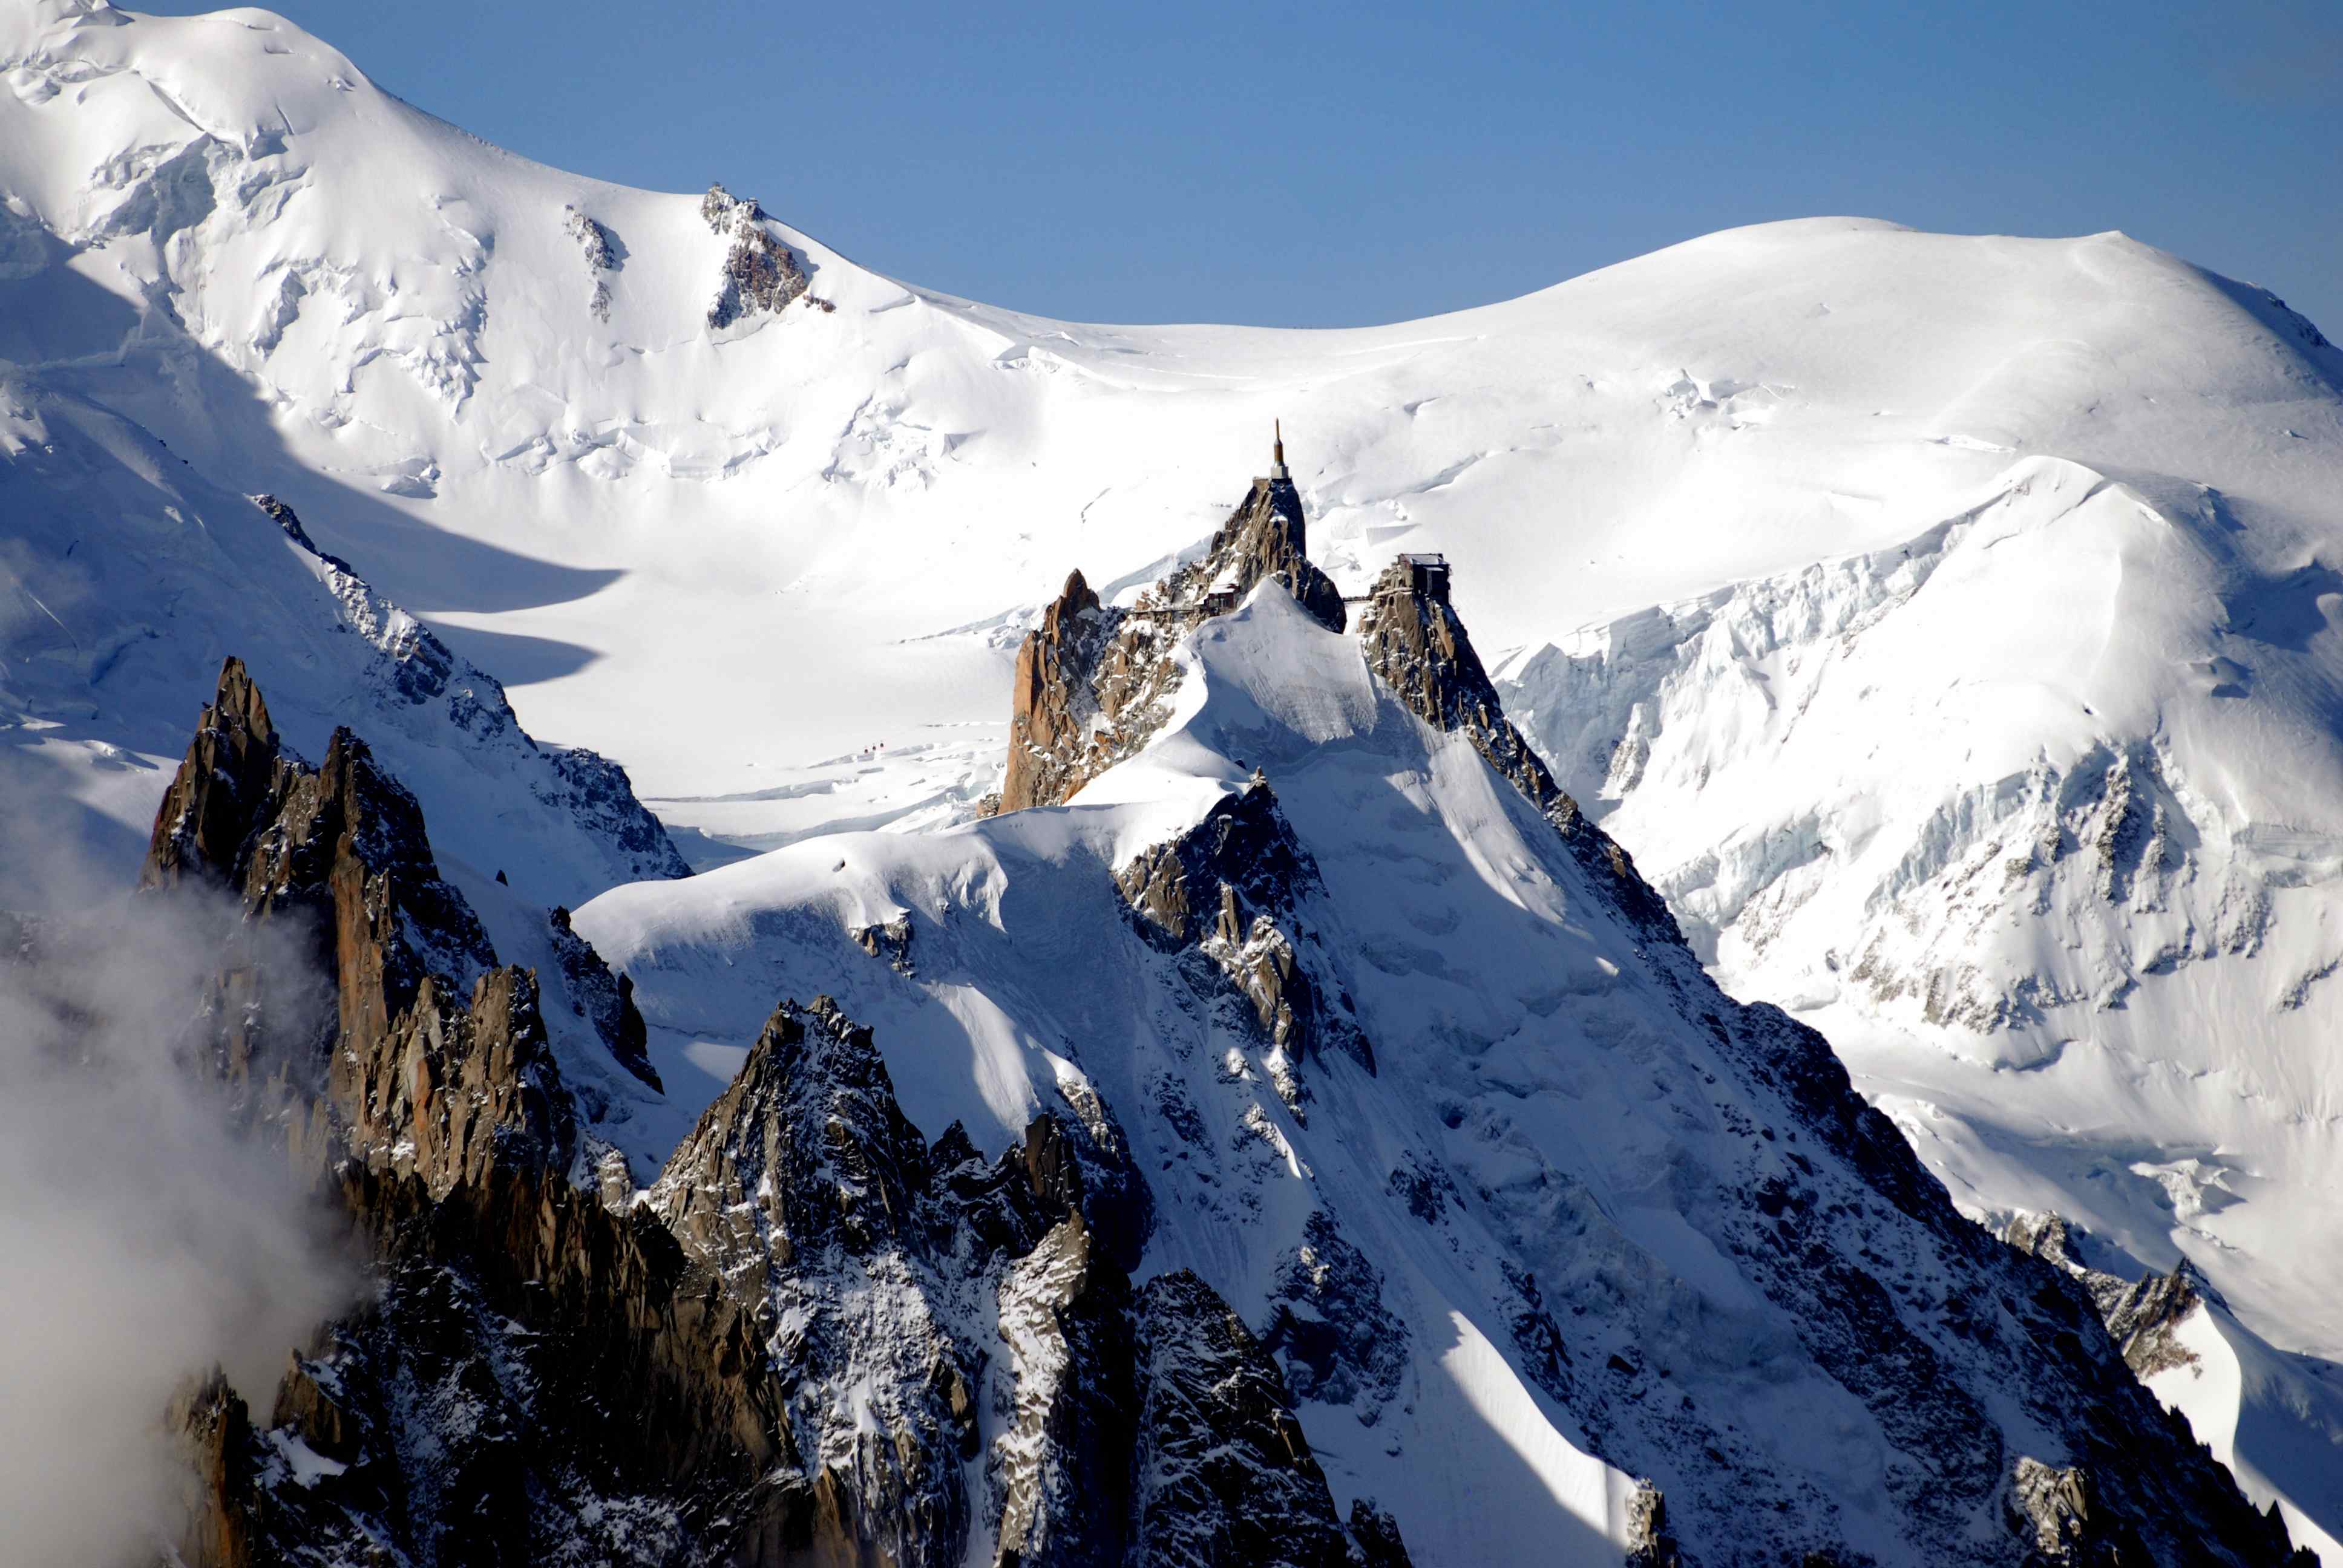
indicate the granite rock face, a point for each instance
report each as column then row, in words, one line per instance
column 2140, row 1314
column 1225, row 1477
column 820, row 1337
column 1237, row 888
column 1094, row 682
column 1053, row 702
column 779, row 1353
column 608, row 998
column 761, row 275
column 1416, row 645
column 602, row 255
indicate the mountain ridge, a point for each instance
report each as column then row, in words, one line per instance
column 1989, row 487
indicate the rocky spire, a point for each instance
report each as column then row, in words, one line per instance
column 1053, row 700
column 1225, row 1475
column 224, row 790
column 1413, row 640
column 1093, row 683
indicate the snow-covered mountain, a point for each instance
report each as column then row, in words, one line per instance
column 1252, row 1201
column 1944, row 624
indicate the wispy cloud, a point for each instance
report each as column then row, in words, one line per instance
column 141, row 1241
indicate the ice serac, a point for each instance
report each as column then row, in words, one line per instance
column 1094, row 682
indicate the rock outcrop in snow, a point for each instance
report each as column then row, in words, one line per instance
column 1987, row 724
column 601, row 253
column 761, row 275
column 1416, row 645
column 1094, row 683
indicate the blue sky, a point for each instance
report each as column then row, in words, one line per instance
column 1309, row 164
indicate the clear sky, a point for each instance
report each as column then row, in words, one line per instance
column 1308, row 164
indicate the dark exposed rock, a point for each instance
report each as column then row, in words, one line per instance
column 760, row 272
column 2143, row 1317
column 2140, row 1314
column 336, row 857
column 346, row 850
column 2055, row 1511
column 1425, row 1188
column 602, row 255
column 1052, row 702
column 2153, row 1492
column 1266, row 538
column 596, row 790
column 284, row 518
column 1242, row 847
column 1413, row 640
column 806, row 1150
column 1329, row 1327
column 607, row 999
column 1376, row 1535
column 216, row 1429
column 1225, row 1477
column 223, row 791
column 1061, row 1475
column 528, row 1385
column 1076, row 1170
column 455, row 1091
column 1535, row 1334
column 890, row 939
column 781, row 1356
column 1093, row 683
column 1232, row 887
column 1649, row 1545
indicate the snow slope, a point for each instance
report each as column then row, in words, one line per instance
column 2278, row 1429
column 1954, row 542
column 129, row 577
